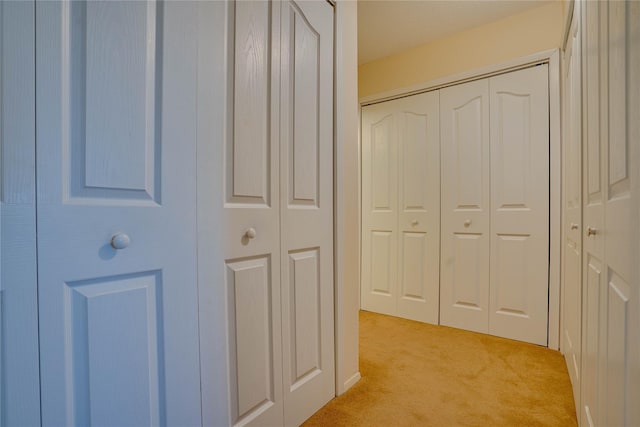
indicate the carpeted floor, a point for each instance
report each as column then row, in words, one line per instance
column 415, row 374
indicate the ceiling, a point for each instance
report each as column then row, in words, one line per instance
column 389, row 26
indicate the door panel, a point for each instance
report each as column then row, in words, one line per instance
column 250, row 214
column 19, row 358
column 464, row 131
column 117, row 156
column 379, row 208
column 419, row 207
column 306, row 203
column 572, row 208
column 520, row 205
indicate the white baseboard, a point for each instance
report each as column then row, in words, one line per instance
column 351, row 382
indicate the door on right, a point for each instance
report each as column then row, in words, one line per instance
column 495, row 205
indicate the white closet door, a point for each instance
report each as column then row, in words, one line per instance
column 306, row 203
column 250, row 211
column 572, row 209
column 593, row 217
column 379, row 208
column 464, row 258
column 519, row 284
column 418, row 227
column 401, row 207
column 116, row 158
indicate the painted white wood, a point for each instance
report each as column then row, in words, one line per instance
column 379, row 208
column 19, row 364
column 572, row 207
column 419, row 207
column 118, row 329
column 519, row 277
column 465, row 242
column 611, row 302
column 593, row 246
column 213, row 95
column 255, row 345
column 306, row 203
column 401, row 215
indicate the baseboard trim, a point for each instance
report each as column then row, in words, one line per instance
column 351, row 382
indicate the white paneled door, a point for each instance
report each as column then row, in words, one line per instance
column 466, row 206
column 116, row 213
column 278, row 211
column 572, row 207
column 306, row 206
column 519, row 271
column 400, row 207
column 495, row 205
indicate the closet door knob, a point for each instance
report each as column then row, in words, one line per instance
column 414, row 222
column 250, row 232
column 467, row 223
column 592, row 231
column 574, row 226
column 120, row 241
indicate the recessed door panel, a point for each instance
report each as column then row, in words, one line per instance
column 114, row 335
column 248, row 150
column 382, row 170
column 415, row 158
column 251, row 329
column 618, row 339
column 467, row 126
column 414, row 248
column 590, row 341
column 110, row 101
column 468, row 291
column 304, row 277
column 382, row 261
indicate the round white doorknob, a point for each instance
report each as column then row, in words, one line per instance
column 467, row 223
column 414, row 222
column 250, row 232
column 120, row 241
column 574, row 226
column 591, row 231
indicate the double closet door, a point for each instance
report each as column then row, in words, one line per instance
column 277, row 211
column 486, row 157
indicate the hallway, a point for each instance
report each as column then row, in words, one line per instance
column 414, row 374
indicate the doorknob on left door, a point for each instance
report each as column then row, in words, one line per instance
column 120, row 241
column 250, row 233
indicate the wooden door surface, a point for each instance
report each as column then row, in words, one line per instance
column 466, row 213
column 572, row 208
column 115, row 134
column 519, row 271
column 306, row 206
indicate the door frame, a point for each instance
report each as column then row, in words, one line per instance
column 551, row 57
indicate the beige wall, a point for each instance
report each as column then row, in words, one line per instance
column 532, row 31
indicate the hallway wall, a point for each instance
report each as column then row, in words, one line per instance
column 532, row 31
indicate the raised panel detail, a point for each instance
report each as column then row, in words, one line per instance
column 381, row 148
column 114, row 352
column 248, row 147
column 617, row 337
column 250, row 335
column 618, row 139
column 466, row 281
column 414, row 247
column 467, row 140
column 381, row 261
column 591, row 342
column 304, row 283
column 111, row 131
column 513, row 150
column 414, row 133
column 304, row 151
column 512, row 276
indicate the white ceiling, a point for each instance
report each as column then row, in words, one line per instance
column 389, row 26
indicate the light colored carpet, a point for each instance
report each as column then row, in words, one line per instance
column 415, row 374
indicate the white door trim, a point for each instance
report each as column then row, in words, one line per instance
column 551, row 57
